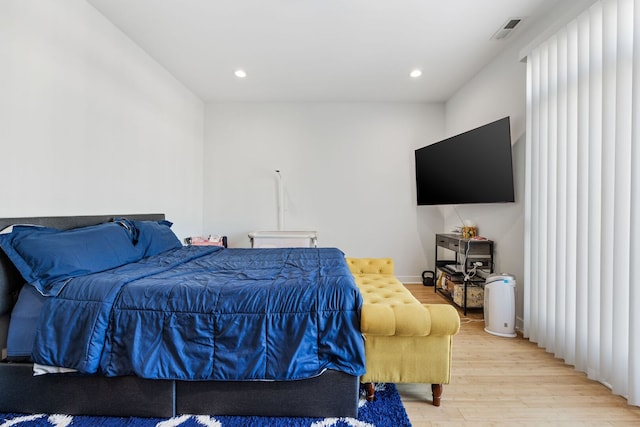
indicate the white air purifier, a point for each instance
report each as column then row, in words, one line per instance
column 500, row 305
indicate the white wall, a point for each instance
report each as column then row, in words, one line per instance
column 503, row 83
column 497, row 91
column 89, row 123
column 348, row 173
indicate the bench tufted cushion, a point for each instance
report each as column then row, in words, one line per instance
column 388, row 307
column 370, row 265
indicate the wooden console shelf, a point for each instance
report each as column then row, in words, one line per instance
column 459, row 257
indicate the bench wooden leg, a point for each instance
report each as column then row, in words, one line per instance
column 370, row 389
column 436, row 389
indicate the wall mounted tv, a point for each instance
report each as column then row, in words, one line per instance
column 473, row 167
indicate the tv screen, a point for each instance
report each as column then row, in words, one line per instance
column 473, row 167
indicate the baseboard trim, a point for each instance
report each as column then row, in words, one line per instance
column 410, row 280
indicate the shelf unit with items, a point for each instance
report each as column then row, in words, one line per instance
column 206, row 241
column 455, row 259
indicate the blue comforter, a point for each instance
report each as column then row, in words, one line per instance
column 207, row 313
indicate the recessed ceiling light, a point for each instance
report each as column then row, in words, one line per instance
column 241, row 74
column 415, row 73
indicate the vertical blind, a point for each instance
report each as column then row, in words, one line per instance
column 582, row 208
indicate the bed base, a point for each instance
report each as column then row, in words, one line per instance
column 332, row 394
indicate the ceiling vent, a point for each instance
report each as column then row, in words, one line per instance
column 506, row 29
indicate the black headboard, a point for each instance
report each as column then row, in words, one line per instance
column 10, row 280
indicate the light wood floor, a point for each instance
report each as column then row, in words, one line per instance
column 510, row 382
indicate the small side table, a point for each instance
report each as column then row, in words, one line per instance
column 283, row 239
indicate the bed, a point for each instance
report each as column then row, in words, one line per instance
column 184, row 330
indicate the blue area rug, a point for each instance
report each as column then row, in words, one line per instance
column 385, row 411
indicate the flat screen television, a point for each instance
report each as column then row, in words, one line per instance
column 473, row 167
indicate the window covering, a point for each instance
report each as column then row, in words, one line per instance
column 582, row 208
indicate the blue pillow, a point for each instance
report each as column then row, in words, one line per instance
column 154, row 237
column 47, row 257
column 24, row 321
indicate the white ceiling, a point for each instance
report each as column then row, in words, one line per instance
column 321, row 50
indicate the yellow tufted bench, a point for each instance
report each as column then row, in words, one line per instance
column 405, row 341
